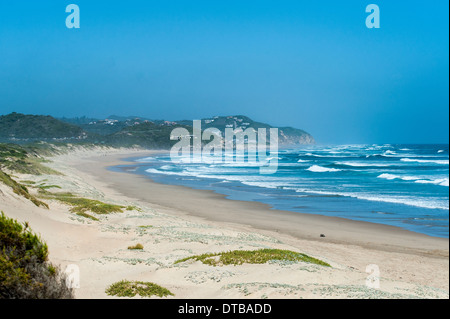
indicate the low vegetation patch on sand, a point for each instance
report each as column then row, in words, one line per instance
column 81, row 206
column 136, row 247
column 26, row 159
column 127, row 288
column 20, row 189
column 239, row 257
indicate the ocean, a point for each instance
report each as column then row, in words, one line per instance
column 400, row 185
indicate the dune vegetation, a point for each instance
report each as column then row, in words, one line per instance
column 81, row 206
column 136, row 247
column 261, row 256
column 20, row 189
column 127, row 288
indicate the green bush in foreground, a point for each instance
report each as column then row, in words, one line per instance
column 239, row 257
column 25, row 272
column 127, row 288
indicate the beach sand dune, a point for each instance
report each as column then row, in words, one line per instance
column 174, row 222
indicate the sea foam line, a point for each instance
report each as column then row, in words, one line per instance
column 362, row 164
column 416, row 179
column 320, row 169
column 442, row 162
column 404, row 200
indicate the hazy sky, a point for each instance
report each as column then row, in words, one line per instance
column 308, row 64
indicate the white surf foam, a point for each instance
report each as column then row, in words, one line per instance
column 405, row 200
column 416, row 179
column 388, row 176
column 320, row 169
column 362, row 164
column 413, row 160
column 439, row 181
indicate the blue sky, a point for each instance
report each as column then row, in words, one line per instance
column 308, row 64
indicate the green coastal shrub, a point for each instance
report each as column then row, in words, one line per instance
column 25, row 272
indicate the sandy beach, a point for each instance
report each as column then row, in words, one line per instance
column 174, row 222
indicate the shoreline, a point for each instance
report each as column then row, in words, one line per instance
column 262, row 216
column 133, row 167
column 175, row 222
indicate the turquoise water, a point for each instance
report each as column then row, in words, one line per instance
column 400, row 185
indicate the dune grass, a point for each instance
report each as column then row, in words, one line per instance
column 86, row 215
column 136, row 247
column 130, row 208
column 81, row 206
column 127, row 288
column 29, row 183
column 25, row 160
column 44, row 187
column 239, row 257
column 20, row 189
